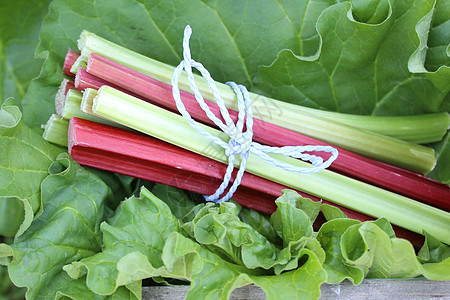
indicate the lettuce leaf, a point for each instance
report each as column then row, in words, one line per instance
column 356, row 250
column 144, row 240
column 67, row 230
column 138, row 229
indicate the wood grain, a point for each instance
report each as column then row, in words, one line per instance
column 369, row 289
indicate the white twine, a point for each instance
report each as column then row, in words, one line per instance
column 240, row 142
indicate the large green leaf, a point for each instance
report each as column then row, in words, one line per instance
column 232, row 38
column 363, row 68
column 24, row 163
column 67, row 230
column 19, row 28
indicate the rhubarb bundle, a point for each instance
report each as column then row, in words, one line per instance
column 132, row 99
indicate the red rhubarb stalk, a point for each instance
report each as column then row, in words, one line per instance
column 69, row 60
column 139, row 155
column 407, row 183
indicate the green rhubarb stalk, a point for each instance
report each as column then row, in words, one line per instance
column 293, row 117
column 55, row 130
column 420, row 129
column 359, row 196
column 86, row 107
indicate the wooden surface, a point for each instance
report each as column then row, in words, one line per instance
column 369, row 289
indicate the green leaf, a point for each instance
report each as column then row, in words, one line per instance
column 438, row 53
column 7, row 290
column 294, row 216
column 435, row 258
column 441, row 172
column 66, row 231
column 433, row 251
column 24, row 163
column 261, row 223
column 379, row 254
column 219, row 228
column 19, row 28
column 363, row 68
column 301, row 283
column 132, row 245
column 181, row 254
column 332, row 212
column 370, row 11
column 121, row 186
column 178, row 200
column 329, row 236
column 12, row 215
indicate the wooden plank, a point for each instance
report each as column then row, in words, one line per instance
column 369, row 289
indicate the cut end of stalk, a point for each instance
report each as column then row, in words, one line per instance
column 88, row 100
column 71, row 137
column 78, row 63
column 71, row 103
column 82, row 47
column 55, row 130
column 60, row 97
column 92, row 105
column 82, row 40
